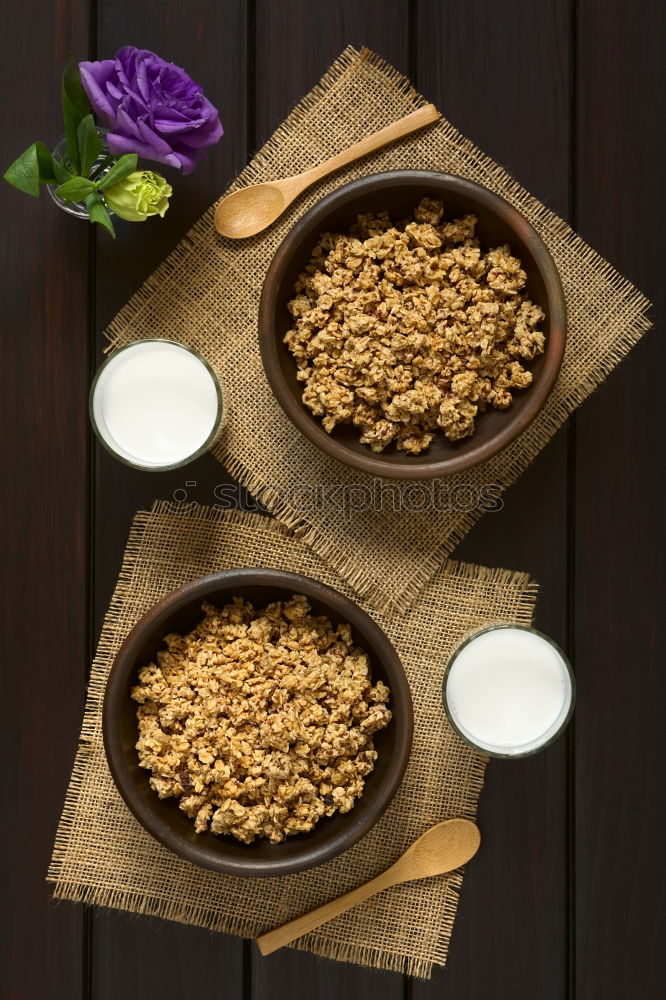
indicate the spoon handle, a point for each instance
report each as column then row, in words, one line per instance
column 280, row 936
column 396, row 130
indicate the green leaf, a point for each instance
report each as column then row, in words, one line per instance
column 47, row 164
column 72, row 87
column 76, row 189
column 75, row 107
column 89, row 143
column 98, row 213
column 121, row 169
column 72, row 119
column 61, row 172
column 32, row 168
column 24, row 172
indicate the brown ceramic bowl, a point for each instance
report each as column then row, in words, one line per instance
column 399, row 192
column 179, row 612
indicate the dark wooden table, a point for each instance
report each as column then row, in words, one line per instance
column 566, row 895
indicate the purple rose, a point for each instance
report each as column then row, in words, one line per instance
column 151, row 107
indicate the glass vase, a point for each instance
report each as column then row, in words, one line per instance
column 104, row 161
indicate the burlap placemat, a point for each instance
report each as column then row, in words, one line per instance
column 385, row 543
column 103, row 856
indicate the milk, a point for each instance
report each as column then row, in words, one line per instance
column 155, row 404
column 509, row 691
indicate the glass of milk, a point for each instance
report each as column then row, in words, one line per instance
column 156, row 404
column 508, row 691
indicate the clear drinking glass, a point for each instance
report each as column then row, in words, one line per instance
column 508, row 690
column 156, row 404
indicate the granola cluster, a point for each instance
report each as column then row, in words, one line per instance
column 260, row 722
column 409, row 330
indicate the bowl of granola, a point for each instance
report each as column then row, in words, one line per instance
column 257, row 722
column 412, row 324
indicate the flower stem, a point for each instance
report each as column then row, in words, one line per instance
column 106, row 162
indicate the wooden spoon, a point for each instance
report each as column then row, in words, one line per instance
column 248, row 211
column 440, row 849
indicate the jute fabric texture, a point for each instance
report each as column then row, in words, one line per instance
column 386, row 544
column 104, row 857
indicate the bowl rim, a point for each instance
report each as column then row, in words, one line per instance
column 414, row 467
column 116, row 691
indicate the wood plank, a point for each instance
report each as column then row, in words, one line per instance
column 620, row 544
column 44, row 455
column 160, row 960
column 287, row 974
column 136, row 957
column 500, row 73
column 296, row 41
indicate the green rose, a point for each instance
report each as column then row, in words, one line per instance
column 141, row 194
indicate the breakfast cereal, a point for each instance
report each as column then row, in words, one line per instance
column 409, row 330
column 260, row 722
